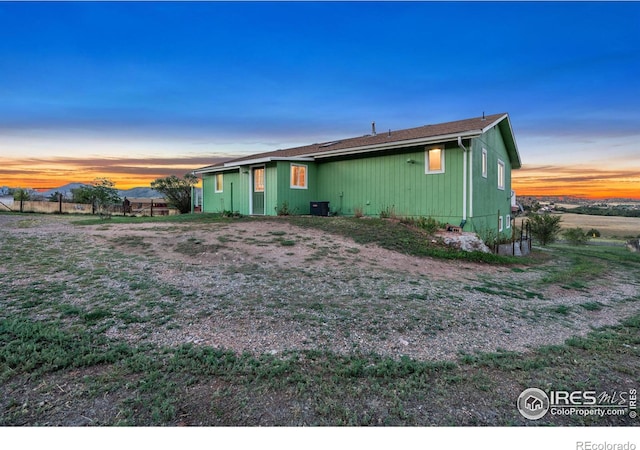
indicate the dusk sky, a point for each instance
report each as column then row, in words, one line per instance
column 135, row 91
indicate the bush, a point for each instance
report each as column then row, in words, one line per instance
column 428, row 224
column 576, row 236
column 593, row 233
column 545, row 227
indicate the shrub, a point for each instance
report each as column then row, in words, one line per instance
column 576, row 236
column 428, row 224
column 388, row 212
column 593, row 233
column 284, row 210
column 545, row 227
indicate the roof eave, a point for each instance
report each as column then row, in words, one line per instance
column 395, row 144
column 213, row 169
column 510, row 141
column 266, row 159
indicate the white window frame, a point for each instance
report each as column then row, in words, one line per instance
column 484, row 162
column 507, row 220
column 500, row 223
column 215, row 183
column 442, row 160
column 306, row 176
column 502, row 175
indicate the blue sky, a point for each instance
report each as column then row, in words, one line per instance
column 95, row 82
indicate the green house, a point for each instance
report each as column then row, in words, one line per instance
column 455, row 172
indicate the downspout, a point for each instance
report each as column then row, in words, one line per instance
column 464, row 178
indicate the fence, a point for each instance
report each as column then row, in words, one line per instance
column 519, row 245
column 138, row 209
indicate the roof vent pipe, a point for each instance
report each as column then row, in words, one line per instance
column 373, row 128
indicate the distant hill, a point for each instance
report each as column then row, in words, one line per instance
column 137, row 192
column 140, row 192
column 64, row 190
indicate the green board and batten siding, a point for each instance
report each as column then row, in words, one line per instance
column 487, row 200
column 393, row 181
column 390, row 183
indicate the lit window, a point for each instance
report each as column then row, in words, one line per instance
column 485, row 164
column 219, row 184
column 500, row 175
column 258, row 180
column 298, row 176
column 435, row 160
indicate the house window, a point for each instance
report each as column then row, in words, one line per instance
column 258, row 180
column 298, row 176
column 501, row 175
column 219, row 184
column 500, row 223
column 435, row 160
column 484, row 162
column 507, row 218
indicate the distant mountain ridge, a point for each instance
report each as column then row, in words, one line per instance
column 136, row 192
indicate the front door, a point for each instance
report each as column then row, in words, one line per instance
column 258, row 190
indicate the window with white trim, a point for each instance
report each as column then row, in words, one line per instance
column 434, row 160
column 485, row 162
column 507, row 218
column 298, row 176
column 501, row 175
column 219, row 183
column 500, row 223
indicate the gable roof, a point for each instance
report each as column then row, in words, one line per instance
column 426, row 134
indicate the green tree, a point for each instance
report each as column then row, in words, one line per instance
column 55, row 197
column 576, row 236
column 176, row 190
column 544, row 227
column 20, row 195
column 100, row 193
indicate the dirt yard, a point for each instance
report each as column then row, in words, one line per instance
column 266, row 286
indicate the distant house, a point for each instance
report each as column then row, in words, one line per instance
column 456, row 172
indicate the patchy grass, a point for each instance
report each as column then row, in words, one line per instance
column 63, row 360
column 206, row 386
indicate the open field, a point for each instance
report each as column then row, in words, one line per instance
column 201, row 320
column 609, row 226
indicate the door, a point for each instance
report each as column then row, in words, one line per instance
column 258, row 190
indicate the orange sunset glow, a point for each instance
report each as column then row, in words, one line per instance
column 127, row 173
column 585, row 182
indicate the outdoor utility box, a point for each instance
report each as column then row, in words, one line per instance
column 319, row 208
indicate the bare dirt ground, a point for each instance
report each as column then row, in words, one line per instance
column 269, row 287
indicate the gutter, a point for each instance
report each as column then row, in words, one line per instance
column 464, row 178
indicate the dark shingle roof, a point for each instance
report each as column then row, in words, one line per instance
column 448, row 129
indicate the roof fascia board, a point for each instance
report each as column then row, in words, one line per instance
column 396, row 144
column 494, row 123
column 266, row 159
column 216, row 169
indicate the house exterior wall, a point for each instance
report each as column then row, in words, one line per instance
column 233, row 196
column 394, row 182
column 487, row 201
column 376, row 183
column 296, row 199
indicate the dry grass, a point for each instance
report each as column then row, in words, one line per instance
column 609, row 226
